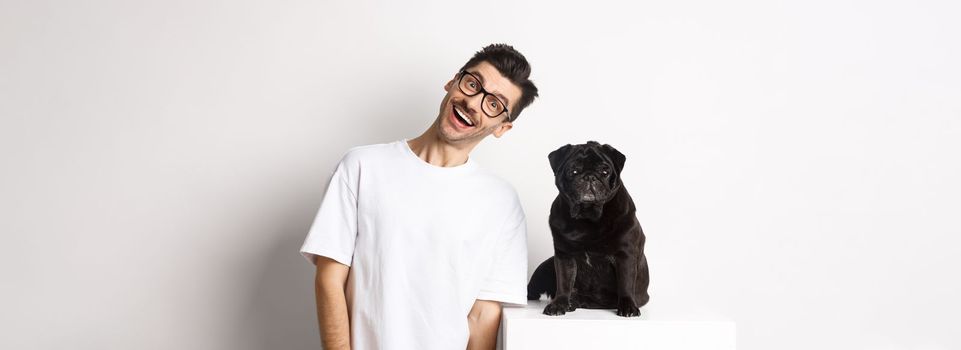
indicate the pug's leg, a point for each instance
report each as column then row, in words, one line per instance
column 626, row 269
column 643, row 282
column 566, row 268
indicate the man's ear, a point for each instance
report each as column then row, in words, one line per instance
column 451, row 82
column 615, row 156
column 558, row 156
column 501, row 129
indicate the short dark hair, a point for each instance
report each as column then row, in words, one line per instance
column 513, row 65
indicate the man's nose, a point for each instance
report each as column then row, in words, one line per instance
column 471, row 100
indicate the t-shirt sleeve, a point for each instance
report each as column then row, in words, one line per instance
column 507, row 280
column 334, row 229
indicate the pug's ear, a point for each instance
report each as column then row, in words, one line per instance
column 557, row 156
column 615, row 156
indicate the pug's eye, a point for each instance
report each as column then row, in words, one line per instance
column 604, row 171
column 573, row 171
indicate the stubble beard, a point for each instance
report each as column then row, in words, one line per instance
column 450, row 132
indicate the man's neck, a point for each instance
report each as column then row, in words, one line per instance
column 437, row 152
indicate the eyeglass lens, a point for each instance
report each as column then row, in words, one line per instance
column 490, row 104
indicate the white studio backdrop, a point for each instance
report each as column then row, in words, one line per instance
column 794, row 163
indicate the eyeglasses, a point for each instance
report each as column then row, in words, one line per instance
column 491, row 105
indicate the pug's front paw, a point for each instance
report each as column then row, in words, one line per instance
column 559, row 306
column 627, row 308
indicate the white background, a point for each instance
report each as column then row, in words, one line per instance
column 794, row 163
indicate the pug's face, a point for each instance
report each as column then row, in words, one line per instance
column 587, row 176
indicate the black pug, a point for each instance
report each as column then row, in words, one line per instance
column 598, row 242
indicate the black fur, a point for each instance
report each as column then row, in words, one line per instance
column 598, row 242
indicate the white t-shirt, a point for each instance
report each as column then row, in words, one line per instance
column 422, row 242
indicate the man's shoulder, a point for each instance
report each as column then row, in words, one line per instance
column 498, row 185
column 361, row 153
column 502, row 191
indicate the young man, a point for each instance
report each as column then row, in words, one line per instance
column 416, row 245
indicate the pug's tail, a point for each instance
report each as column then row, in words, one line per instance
column 544, row 280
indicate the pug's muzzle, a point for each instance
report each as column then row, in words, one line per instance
column 586, row 179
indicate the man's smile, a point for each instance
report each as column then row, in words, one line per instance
column 456, row 115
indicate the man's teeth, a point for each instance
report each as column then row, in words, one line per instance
column 462, row 117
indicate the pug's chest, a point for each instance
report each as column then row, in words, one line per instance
column 594, row 262
column 585, row 240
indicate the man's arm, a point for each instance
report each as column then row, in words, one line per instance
column 483, row 320
column 332, row 303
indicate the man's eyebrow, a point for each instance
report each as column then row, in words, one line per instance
column 507, row 101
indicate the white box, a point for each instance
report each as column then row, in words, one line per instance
column 659, row 327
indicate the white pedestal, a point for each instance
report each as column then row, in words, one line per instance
column 659, row 327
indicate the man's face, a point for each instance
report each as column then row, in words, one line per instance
column 470, row 106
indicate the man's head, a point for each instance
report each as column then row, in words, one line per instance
column 497, row 77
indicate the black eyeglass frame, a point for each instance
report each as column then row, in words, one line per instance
column 485, row 92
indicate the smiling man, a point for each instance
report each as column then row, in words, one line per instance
column 416, row 245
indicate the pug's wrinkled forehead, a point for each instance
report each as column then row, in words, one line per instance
column 589, row 151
